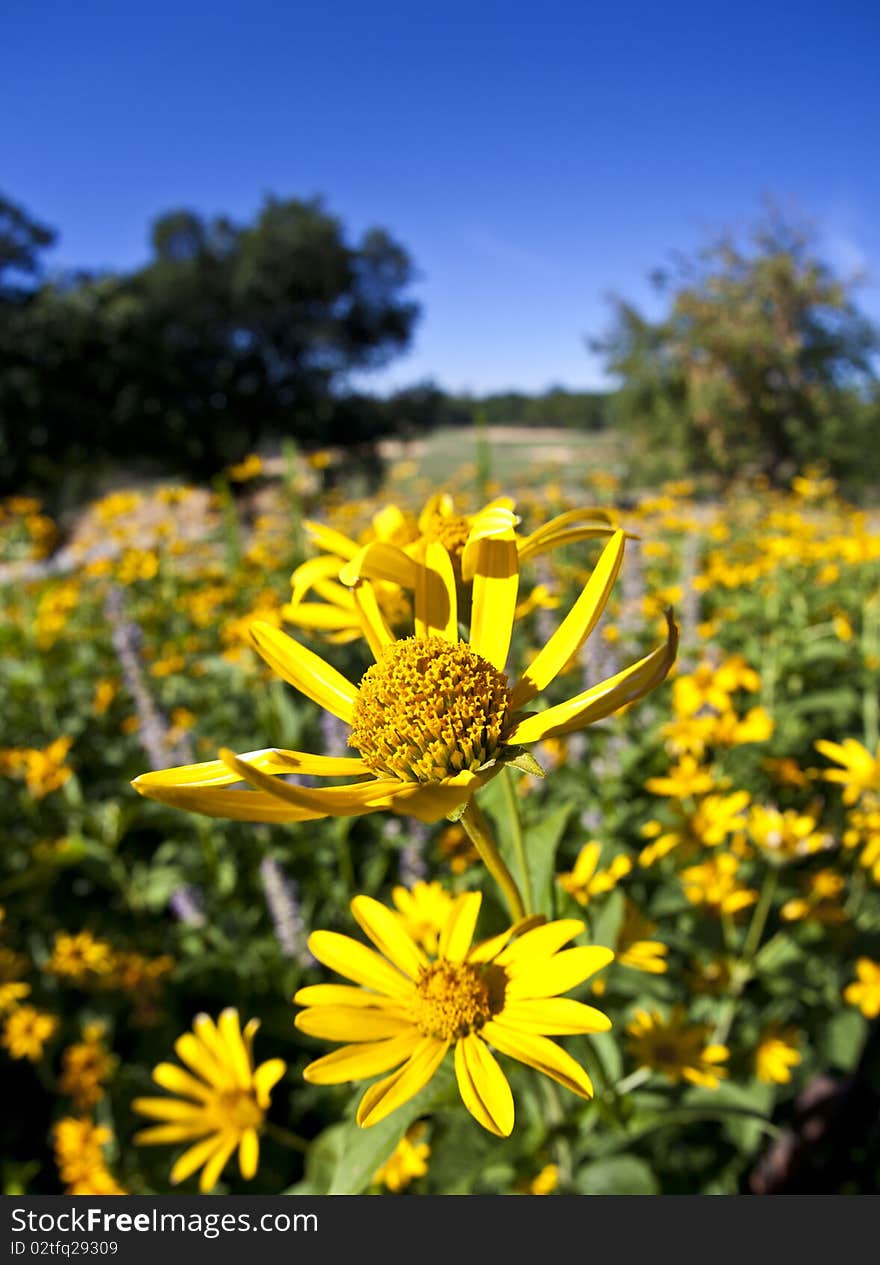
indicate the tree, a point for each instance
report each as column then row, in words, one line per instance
column 762, row 361
column 231, row 335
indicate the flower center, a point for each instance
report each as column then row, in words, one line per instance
column 429, row 709
column 456, row 998
column 237, row 1110
column 451, row 530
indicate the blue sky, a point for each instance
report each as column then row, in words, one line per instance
column 533, row 158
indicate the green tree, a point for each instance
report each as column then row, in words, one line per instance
column 762, row 361
column 231, row 335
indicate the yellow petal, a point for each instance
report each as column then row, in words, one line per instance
column 483, row 1086
column 356, row 962
column 266, row 1077
column 230, row 805
column 304, row 670
column 430, row 803
column 602, row 699
column 217, row 1162
column 575, row 628
column 493, row 604
column 387, row 1095
column 166, row 1134
column 352, row 1024
column 168, row 1109
column 194, row 1053
column 495, row 521
column 330, row 540
column 458, row 930
column 230, row 1031
column 387, row 931
column 541, row 941
column 554, row 1016
column 542, row 1054
column 341, row 995
column 321, row 615
column 174, row 1078
column 376, row 631
column 358, row 1062
column 248, row 1153
column 547, row 977
column 436, row 601
column 380, row 561
column 308, row 572
column 268, row 760
column 328, row 801
column 194, row 1158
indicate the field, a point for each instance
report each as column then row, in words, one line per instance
column 682, row 862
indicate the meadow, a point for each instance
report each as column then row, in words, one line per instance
column 699, row 823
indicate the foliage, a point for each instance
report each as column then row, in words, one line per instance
column 761, row 361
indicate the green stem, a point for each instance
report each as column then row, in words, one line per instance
column 516, row 834
column 633, row 1081
column 480, row 834
column 743, row 968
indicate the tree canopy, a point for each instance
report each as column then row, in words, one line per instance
column 229, row 335
column 761, row 361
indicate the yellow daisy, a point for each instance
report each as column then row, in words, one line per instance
column 677, row 1049
column 433, row 718
column 412, row 1008
column 222, row 1099
column 859, row 771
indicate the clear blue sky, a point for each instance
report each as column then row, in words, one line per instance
column 531, row 157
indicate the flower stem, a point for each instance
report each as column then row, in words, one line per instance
column 743, row 968
column 285, row 1137
column 480, row 834
column 516, row 835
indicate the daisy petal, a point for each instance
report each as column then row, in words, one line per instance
column 330, row 540
column 380, row 561
column 458, row 931
column 387, row 1095
column 230, row 1032
column 358, row 1062
column 541, row 941
column 602, row 699
column 339, row 995
column 305, row 576
column 493, row 602
column 168, row 1109
column 248, row 1153
column 554, row 1016
column 356, row 962
column 304, row 670
column 483, row 1086
column 269, row 760
column 164, row 1134
column 175, row 1079
column 436, row 601
column 231, row 805
column 376, row 632
column 386, row 930
column 352, row 1024
column 547, row 977
column 575, row 628
column 217, row 1162
column 335, row 801
column 542, row 1054
column 266, row 1077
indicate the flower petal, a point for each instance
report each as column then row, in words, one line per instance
column 541, row 942
column 194, row 1158
column 330, row 540
column 196, row 1055
column 575, row 628
column 554, row 1016
column 175, row 1079
column 229, row 1028
column 387, row 931
column 356, row 962
column 602, row 699
column 376, row 631
column 358, row 1062
column 165, row 1134
column 542, row 1054
column 341, row 995
column 380, row 561
column 217, row 1162
column 436, row 600
column 304, row 670
column 248, row 1154
column 546, row 977
column 483, row 1086
column 458, row 930
column 230, row 805
column 267, row 760
column 266, row 1077
column 493, row 601
column 168, row 1109
column 308, row 572
column 389, row 1094
column 335, row 801
column 351, row 1023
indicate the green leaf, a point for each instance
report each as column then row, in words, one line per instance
column 842, row 1039
column 605, row 925
column 542, row 838
column 362, row 1151
column 618, row 1175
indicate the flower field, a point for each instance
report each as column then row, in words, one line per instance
column 440, row 839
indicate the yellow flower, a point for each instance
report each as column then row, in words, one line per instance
column 249, row 468
column 634, row 947
column 105, row 692
column 820, row 902
column 11, row 994
column 714, row 886
column 424, row 909
column 434, row 718
column 79, row 956
column 864, row 991
column 80, row 1158
column 776, row 1055
column 676, row 1049
column 586, row 881
column 222, row 1104
column 44, row 770
column 412, row 1008
column 408, row 1160
column 859, row 772
column 26, row 1032
column 545, row 1182
column 85, row 1066
column 785, row 835
column 687, row 778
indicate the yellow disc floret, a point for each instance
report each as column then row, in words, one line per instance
column 454, row 999
column 429, row 709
